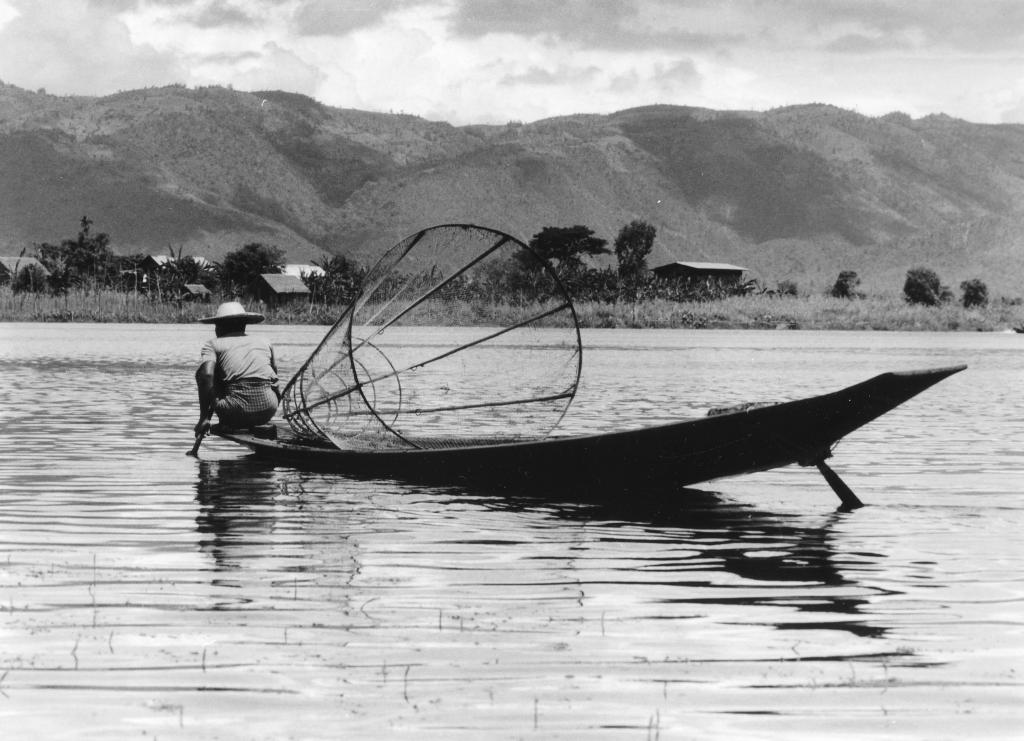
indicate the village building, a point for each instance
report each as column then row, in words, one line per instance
column 195, row 292
column 151, row 263
column 149, row 271
column 687, row 270
column 154, row 262
column 9, row 266
column 275, row 289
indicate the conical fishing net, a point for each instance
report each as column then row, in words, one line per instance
column 398, row 371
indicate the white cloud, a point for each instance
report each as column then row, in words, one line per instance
column 78, row 49
column 269, row 68
column 7, row 13
column 491, row 61
column 331, row 18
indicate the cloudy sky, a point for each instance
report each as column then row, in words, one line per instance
column 492, row 61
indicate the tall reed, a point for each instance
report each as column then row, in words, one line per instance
column 757, row 311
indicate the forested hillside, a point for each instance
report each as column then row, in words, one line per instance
column 796, row 194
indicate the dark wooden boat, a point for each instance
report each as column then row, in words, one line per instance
column 482, row 407
column 728, row 442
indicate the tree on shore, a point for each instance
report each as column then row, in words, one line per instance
column 240, row 269
column 632, row 246
column 787, row 288
column 846, row 285
column 341, row 281
column 975, row 293
column 86, row 261
column 566, row 246
column 29, row 279
column 170, row 278
column 923, row 286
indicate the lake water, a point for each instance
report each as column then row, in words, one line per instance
column 146, row 594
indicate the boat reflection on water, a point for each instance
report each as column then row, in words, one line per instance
column 674, row 548
column 268, row 537
column 236, row 502
column 788, row 560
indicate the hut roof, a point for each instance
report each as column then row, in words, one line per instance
column 705, row 267
column 682, row 268
column 9, row 264
column 281, row 283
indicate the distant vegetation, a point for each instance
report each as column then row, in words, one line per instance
column 86, row 281
column 975, row 293
column 86, row 264
column 758, row 311
column 846, row 285
column 789, row 193
column 923, row 286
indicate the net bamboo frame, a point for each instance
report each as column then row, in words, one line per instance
column 367, row 385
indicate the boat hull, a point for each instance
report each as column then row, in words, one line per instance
column 678, row 454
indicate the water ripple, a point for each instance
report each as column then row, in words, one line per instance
column 145, row 592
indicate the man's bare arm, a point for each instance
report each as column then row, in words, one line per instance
column 207, row 392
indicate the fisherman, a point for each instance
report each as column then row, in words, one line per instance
column 237, row 375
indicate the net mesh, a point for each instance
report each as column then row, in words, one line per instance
column 366, row 387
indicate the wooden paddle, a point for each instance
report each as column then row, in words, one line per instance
column 199, row 438
column 195, row 447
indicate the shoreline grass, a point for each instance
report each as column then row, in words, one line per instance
column 880, row 313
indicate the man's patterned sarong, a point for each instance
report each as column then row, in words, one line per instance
column 247, row 403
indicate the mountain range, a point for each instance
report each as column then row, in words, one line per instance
column 797, row 193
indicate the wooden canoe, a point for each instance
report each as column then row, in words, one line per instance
column 742, row 440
